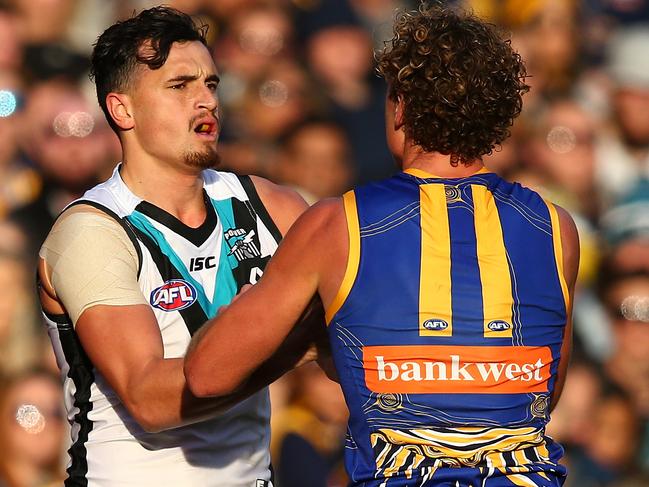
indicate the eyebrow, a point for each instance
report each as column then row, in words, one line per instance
column 188, row 77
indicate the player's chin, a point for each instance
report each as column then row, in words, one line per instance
column 205, row 159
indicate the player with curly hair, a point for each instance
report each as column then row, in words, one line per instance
column 448, row 289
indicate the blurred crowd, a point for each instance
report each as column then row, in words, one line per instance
column 302, row 106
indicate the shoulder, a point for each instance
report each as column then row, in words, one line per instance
column 284, row 205
column 83, row 233
column 83, row 220
column 78, row 219
column 323, row 215
column 317, row 228
column 320, row 231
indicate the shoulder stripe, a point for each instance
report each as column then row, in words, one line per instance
column 258, row 206
column 435, row 275
column 353, row 259
column 495, row 275
column 558, row 251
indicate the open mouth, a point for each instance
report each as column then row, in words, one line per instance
column 206, row 129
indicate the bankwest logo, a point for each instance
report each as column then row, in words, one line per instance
column 432, row 369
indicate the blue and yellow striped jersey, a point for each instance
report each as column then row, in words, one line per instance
column 446, row 332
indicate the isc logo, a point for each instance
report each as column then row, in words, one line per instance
column 498, row 325
column 173, row 295
column 200, row 263
column 435, row 324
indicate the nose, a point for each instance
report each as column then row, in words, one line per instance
column 208, row 99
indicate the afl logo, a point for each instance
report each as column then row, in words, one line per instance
column 498, row 325
column 173, row 295
column 435, row 324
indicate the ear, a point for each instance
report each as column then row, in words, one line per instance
column 398, row 114
column 120, row 110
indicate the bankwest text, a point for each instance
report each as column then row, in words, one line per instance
column 431, row 369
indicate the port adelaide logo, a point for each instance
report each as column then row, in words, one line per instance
column 173, row 295
column 241, row 244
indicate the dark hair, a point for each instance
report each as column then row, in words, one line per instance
column 461, row 83
column 119, row 49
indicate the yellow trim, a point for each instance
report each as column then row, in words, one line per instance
column 558, row 252
column 495, row 276
column 543, row 453
column 435, row 272
column 420, row 173
column 520, row 458
column 353, row 259
column 520, row 480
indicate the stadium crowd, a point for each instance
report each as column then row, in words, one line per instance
column 304, row 108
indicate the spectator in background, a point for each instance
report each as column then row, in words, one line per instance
column 10, row 40
column 338, row 52
column 610, row 455
column 44, row 21
column 32, row 430
column 20, row 183
column 545, row 32
column 21, row 344
column 562, row 150
column 623, row 152
column 572, row 420
column 315, row 160
column 307, row 436
column 62, row 138
column 376, row 17
column 625, row 294
column 274, row 102
column 253, row 39
column 625, row 229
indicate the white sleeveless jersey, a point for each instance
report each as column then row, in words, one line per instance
column 186, row 275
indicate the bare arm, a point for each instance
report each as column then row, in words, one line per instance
column 570, row 249
column 125, row 345
column 226, row 353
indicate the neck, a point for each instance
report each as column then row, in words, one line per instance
column 177, row 190
column 437, row 164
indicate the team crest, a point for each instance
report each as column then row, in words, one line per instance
column 241, row 244
column 173, row 295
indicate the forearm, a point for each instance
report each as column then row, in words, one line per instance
column 218, row 375
column 160, row 399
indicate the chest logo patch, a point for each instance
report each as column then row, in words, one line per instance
column 173, row 295
column 241, row 244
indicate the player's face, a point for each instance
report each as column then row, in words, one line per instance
column 176, row 108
